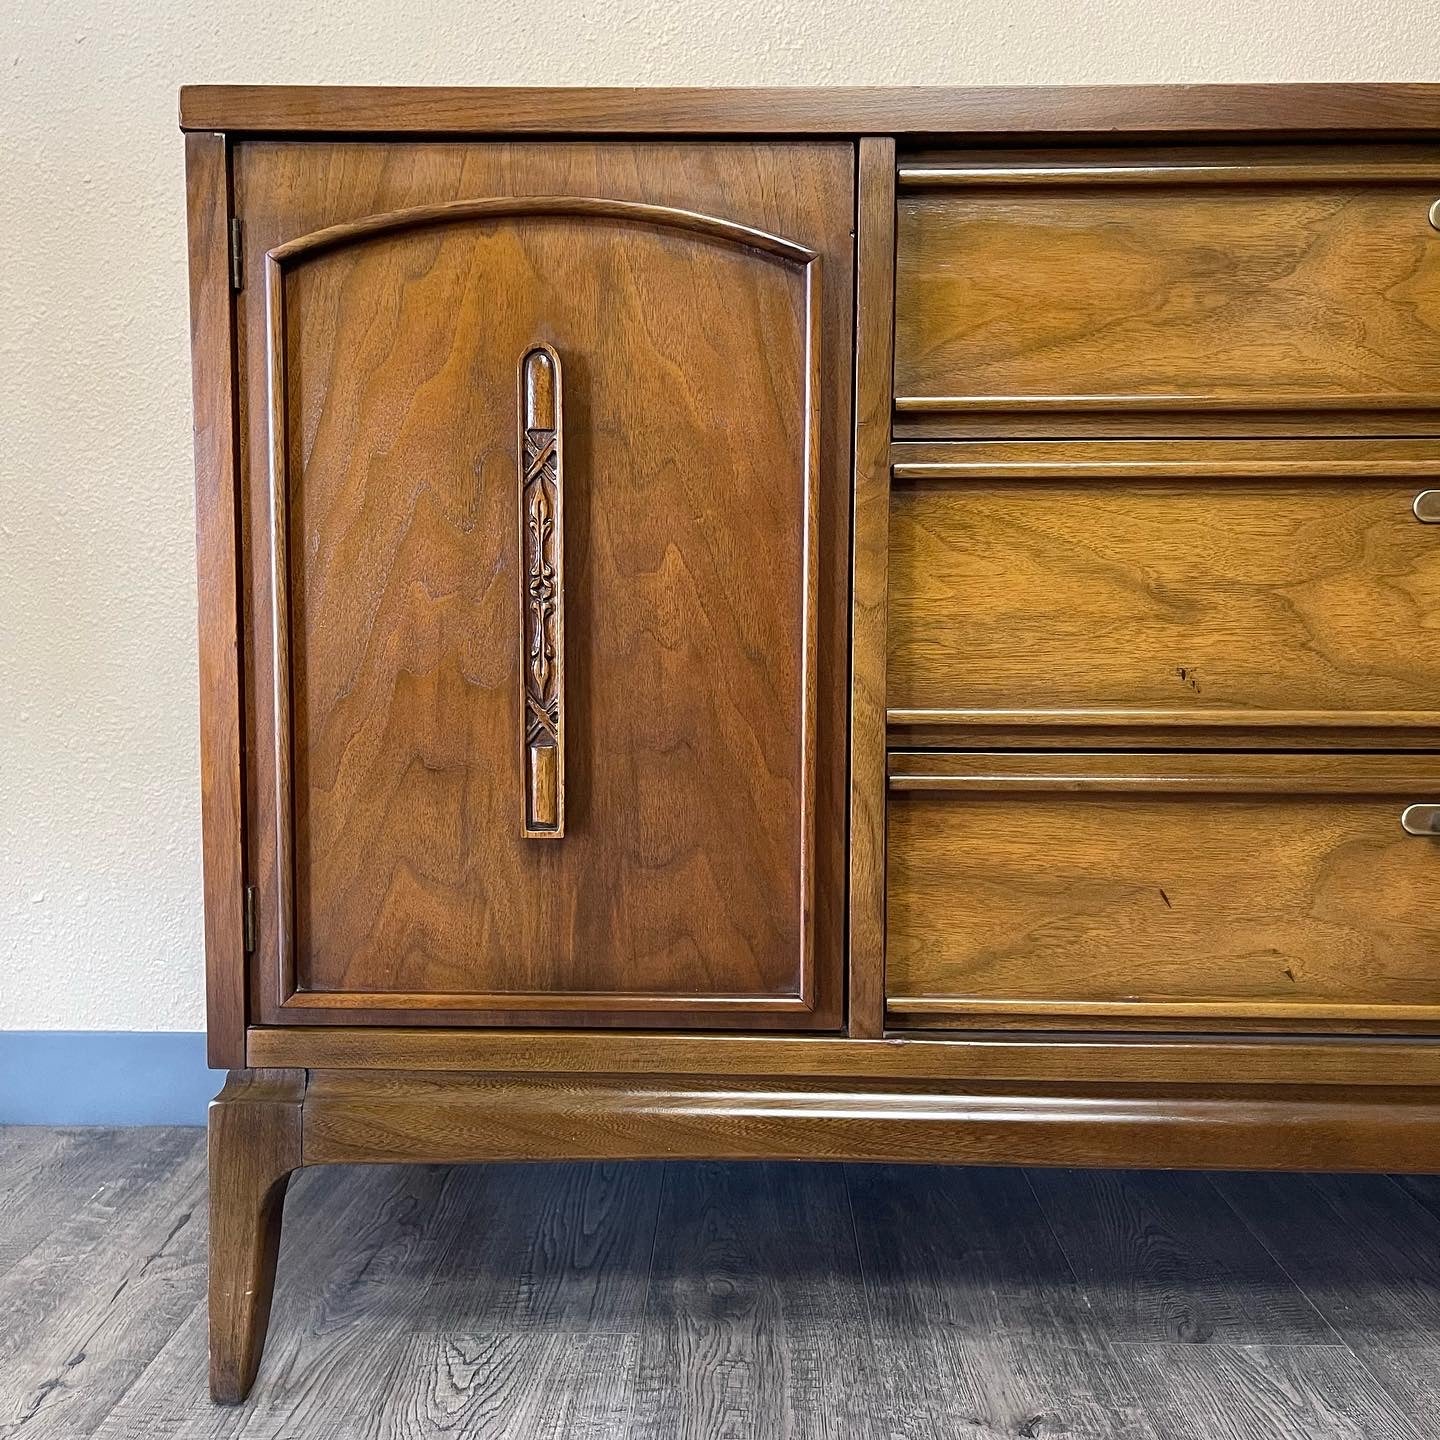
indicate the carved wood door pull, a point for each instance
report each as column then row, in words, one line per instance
column 542, row 592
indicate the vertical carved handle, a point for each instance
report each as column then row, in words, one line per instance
column 542, row 592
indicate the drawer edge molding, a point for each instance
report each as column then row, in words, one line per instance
column 1409, row 721
column 1263, row 774
column 935, row 176
column 1220, row 1010
column 1239, row 468
column 1251, row 402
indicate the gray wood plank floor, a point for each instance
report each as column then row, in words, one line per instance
column 723, row 1302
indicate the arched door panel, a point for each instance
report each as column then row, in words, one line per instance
column 545, row 559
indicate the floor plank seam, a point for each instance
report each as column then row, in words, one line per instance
column 1055, row 1234
column 1305, row 1181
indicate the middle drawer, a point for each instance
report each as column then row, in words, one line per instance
column 1285, row 583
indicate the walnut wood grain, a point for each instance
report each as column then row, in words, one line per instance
column 254, row 1146
column 1245, row 582
column 1112, row 1059
column 860, row 110
column 1091, row 891
column 407, row 897
column 207, row 187
column 364, row 1116
column 1174, row 290
column 874, row 368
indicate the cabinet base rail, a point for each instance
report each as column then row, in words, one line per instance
column 265, row 1124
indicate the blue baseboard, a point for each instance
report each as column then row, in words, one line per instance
column 104, row 1077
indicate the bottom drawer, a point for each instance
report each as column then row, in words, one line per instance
column 1101, row 891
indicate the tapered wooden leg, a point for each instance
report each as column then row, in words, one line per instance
column 254, row 1146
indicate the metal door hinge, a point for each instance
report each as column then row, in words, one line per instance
column 237, row 262
column 249, row 919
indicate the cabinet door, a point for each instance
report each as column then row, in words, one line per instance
column 546, row 580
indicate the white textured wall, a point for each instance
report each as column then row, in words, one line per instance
column 99, row 818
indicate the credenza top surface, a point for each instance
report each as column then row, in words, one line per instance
column 1089, row 110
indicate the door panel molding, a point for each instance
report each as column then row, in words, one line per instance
column 502, row 207
column 288, row 998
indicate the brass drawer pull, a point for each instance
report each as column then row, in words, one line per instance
column 1435, row 214
column 542, row 593
column 1421, row 820
column 1427, row 507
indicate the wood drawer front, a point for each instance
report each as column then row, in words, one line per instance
column 1277, row 582
column 1161, row 891
column 1300, row 280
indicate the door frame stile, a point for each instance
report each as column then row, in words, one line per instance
column 217, row 554
column 870, row 541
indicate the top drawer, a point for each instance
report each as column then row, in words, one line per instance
column 1289, row 280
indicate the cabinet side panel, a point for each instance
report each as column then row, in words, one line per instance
column 207, row 210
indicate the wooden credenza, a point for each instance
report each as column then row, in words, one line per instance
column 848, row 624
